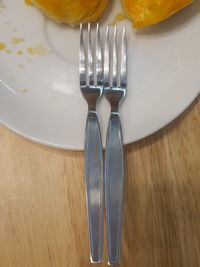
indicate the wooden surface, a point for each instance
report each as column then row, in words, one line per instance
column 42, row 201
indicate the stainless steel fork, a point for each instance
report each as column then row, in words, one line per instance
column 91, row 83
column 115, row 83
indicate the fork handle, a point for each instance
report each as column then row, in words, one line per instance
column 114, row 187
column 94, row 185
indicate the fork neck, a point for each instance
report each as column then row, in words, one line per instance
column 92, row 110
column 115, row 109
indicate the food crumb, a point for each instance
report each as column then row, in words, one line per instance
column 55, row 98
column 39, row 49
column 16, row 40
column 24, row 90
column 118, row 17
column 2, row 5
column 19, row 52
column 29, row 60
column 20, row 66
column 2, row 45
column 7, row 23
column 30, row 50
column 8, row 51
column 28, row 2
column 14, row 30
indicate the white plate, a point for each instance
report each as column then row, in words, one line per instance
column 41, row 100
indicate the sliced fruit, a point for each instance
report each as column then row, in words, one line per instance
column 72, row 12
column 148, row 12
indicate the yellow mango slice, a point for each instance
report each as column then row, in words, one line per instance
column 72, row 12
column 148, row 12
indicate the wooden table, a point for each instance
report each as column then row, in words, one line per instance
column 42, row 201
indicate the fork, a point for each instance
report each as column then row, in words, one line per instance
column 115, row 82
column 91, row 84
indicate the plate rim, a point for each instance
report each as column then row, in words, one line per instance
column 63, row 147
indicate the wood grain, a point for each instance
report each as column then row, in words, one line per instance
column 42, row 202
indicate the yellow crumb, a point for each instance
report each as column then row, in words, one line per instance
column 24, row 90
column 29, row 60
column 2, row 45
column 30, row 50
column 16, row 40
column 8, row 51
column 2, row 5
column 14, row 30
column 39, row 49
column 20, row 66
column 19, row 52
column 117, row 18
column 28, row 2
column 7, row 23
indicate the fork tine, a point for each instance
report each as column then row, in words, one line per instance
column 99, row 68
column 106, row 68
column 114, row 58
column 90, row 75
column 82, row 64
column 123, row 60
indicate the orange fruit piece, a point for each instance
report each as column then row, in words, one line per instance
column 71, row 12
column 148, row 12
